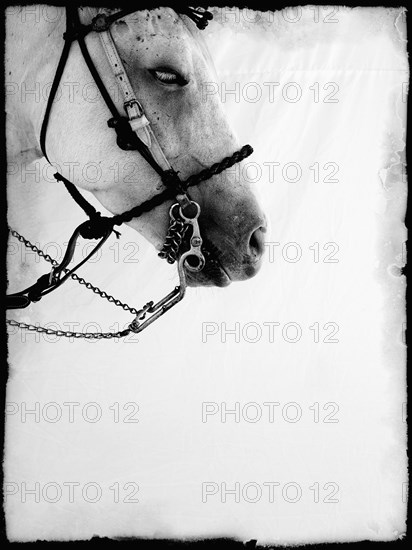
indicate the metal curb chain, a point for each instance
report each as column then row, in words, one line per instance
column 173, row 241
column 80, row 280
column 69, row 334
column 74, row 276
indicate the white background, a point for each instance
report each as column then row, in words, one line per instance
column 186, row 359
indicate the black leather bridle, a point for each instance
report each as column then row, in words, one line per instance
column 97, row 226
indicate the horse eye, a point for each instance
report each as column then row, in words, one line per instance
column 167, row 76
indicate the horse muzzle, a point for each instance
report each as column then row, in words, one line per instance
column 233, row 260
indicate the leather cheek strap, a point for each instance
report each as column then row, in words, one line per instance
column 137, row 119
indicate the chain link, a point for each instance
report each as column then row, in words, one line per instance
column 74, row 276
column 173, row 241
column 82, row 281
column 104, row 294
column 68, row 333
column 33, row 247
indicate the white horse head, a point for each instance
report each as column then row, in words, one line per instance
column 168, row 65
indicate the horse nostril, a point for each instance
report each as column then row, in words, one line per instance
column 257, row 242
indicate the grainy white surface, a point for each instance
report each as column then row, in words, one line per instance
column 358, row 444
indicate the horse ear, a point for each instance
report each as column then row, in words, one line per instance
column 200, row 16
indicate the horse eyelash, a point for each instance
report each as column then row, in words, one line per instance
column 174, row 77
column 167, row 76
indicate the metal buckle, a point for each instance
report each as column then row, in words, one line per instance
column 131, row 103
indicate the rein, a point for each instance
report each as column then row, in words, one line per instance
column 133, row 132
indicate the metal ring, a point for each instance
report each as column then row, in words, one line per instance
column 171, row 214
column 185, row 263
column 182, row 215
